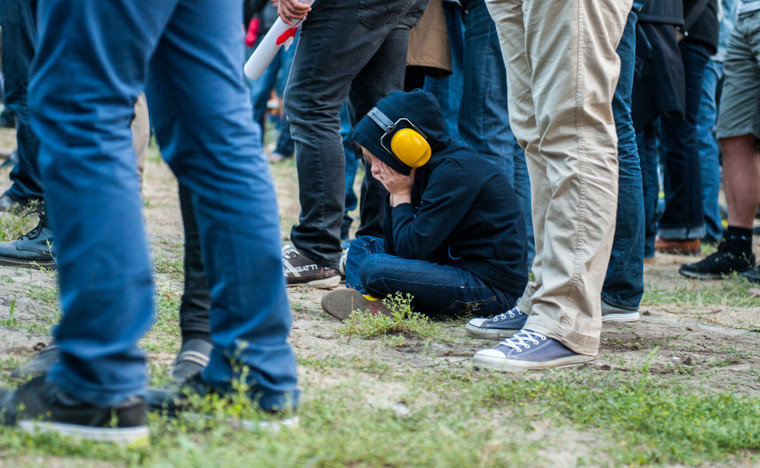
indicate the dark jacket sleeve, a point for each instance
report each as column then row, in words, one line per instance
column 449, row 194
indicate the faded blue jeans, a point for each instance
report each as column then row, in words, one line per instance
column 709, row 151
column 438, row 290
column 624, row 283
column 207, row 136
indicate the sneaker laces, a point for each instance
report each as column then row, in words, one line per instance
column 510, row 313
column 520, row 340
column 289, row 251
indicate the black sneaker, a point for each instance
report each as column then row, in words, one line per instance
column 752, row 275
column 41, row 363
column 39, row 406
column 301, row 270
column 187, row 402
column 32, row 250
column 192, row 357
column 718, row 265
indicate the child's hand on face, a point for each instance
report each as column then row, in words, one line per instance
column 396, row 183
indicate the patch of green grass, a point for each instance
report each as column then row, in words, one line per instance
column 650, row 419
column 403, row 322
column 15, row 225
column 164, row 334
column 729, row 292
column 450, row 417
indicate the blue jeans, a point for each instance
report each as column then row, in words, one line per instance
column 207, row 136
column 326, row 70
column 17, row 18
column 684, row 217
column 274, row 77
column 708, row 150
column 448, row 90
column 624, row 283
column 646, row 141
column 483, row 115
column 438, row 290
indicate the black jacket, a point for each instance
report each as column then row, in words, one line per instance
column 464, row 211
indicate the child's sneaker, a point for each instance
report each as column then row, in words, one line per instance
column 342, row 302
column 528, row 350
column 501, row 326
column 39, row 406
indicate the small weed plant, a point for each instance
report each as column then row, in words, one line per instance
column 401, row 323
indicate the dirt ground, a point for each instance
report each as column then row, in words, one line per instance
column 718, row 342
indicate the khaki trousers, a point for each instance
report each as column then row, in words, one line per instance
column 562, row 70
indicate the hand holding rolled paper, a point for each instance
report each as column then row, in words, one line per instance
column 281, row 33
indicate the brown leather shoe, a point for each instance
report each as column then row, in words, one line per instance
column 678, row 246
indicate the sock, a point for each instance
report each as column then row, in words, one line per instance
column 739, row 241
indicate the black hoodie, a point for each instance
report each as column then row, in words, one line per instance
column 464, row 211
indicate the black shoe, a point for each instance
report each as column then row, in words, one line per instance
column 32, row 250
column 753, row 275
column 188, row 401
column 301, row 270
column 191, row 359
column 39, row 406
column 41, row 363
column 718, row 265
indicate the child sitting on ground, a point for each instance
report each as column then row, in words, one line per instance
column 454, row 235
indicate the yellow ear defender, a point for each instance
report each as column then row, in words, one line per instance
column 408, row 144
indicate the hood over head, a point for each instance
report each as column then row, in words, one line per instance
column 420, row 108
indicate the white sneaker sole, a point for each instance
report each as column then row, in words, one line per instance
column 619, row 317
column 489, row 333
column 326, row 283
column 137, row 436
column 273, row 426
column 513, row 365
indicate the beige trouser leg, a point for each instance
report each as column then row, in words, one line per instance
column 141, row 133
column 562, row 70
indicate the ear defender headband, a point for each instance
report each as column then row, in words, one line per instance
column 407, row 144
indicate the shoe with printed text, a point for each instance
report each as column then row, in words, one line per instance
column 301, row 270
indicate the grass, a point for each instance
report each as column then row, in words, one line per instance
column 450, row 418
column 402, row 323
column 730, row 292
column 15, row 225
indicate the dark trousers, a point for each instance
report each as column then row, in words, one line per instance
column 194, row 307
column 684, row 212
column 347, row 49
column 17, row 19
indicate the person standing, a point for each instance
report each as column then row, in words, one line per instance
column 562, row 69
column 85, row 81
